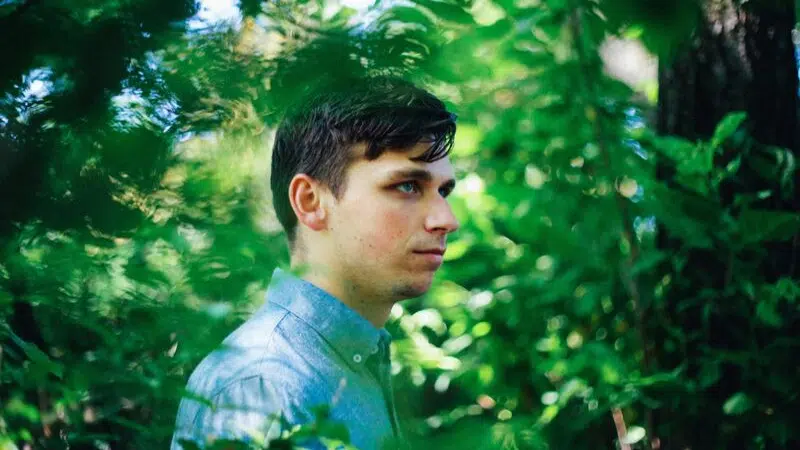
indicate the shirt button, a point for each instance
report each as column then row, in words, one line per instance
column 357, row 358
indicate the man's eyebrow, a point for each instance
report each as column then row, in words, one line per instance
column 450, row 184
column 420, row 175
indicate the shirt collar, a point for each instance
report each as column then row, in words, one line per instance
column 350, row 334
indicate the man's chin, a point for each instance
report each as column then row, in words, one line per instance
column 413, row 288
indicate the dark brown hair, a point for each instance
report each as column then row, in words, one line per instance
column 316, row 137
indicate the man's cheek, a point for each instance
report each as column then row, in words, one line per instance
column 386, row 235
column 382, row 242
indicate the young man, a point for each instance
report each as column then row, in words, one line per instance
column 360, row 177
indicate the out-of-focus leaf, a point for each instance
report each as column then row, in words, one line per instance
column 765, row 226
column 738, row 404
column 497, row 30
column 334, row 431
column 726, row 127
column 407, row 16
column 767, row 313
column 709, row 375
column 188, row 445
column 448, row 11
column 38, row 358
column 7, row 443
column 228, row 444
column 17, row 407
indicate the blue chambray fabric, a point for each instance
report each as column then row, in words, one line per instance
column 301, row 349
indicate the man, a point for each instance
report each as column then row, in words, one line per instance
column 360, row 177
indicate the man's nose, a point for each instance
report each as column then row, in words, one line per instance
column 441, row 217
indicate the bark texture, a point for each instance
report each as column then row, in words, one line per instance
column 741, row 58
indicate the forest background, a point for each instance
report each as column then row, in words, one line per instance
column 626, row 274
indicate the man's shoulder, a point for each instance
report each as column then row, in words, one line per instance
column 244, row 353
column 272, row 346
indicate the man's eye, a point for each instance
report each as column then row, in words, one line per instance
column 409, row 187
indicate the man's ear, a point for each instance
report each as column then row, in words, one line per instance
column 305, row 196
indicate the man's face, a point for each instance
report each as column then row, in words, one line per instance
column 388, row 229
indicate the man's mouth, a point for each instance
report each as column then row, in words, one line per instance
column 433, row 251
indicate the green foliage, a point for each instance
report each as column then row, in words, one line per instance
column 321, row 431
column 137, row 228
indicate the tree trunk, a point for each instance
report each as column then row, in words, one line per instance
column 741, row 58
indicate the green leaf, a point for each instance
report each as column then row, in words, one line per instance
column 648, row 261
column 726, row 127
column 768, row 314
column 690, row 158
column 728, row 171
column 7, row 443
column 38, row 358
column 188, row 445
column 738, row 404
column 408, row 15
column 448, row 11
column 786, row 288
column 658, row 378
column 229, row 444
column 530, row 58
column 18, row 407
column 709, row 374
column 675, row 148
column 497, row 30
column 334, row 430
column 548, row 414
column 767, row 226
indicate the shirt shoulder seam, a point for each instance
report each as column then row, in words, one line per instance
column 241, row 380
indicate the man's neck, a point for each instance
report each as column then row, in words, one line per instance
column 375, row 311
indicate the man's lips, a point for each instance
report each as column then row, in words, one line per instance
column 433, row 257
column 433, row 251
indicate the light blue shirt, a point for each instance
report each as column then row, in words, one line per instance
column 302, row 349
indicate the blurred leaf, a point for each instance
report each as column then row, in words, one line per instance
column 228, row 444
column 766, row 226
column 726, row 127
column 42, row 363
column 737, row 404
column 17, row 407
column 709, row 374
column 497, row 30
column 188, row 445
column 7, row 443
column 408, row 16
column 448, row 11
column 334, row 431
column 767, row 313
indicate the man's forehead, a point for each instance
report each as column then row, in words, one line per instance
column 403, row 164
column 359, row 150
column 358, row 154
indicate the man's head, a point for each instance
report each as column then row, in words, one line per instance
column 359, row 179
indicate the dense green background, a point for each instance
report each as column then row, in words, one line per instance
column 610, row 286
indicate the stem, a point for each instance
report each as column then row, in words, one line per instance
column 628, row 233
column 622, row 431
column 729, row 269
column 795, row 246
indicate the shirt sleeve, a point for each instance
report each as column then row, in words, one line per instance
column 247, row 410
